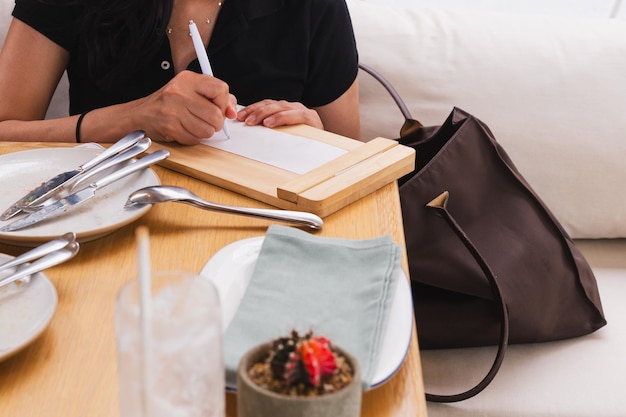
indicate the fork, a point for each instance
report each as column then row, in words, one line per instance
column 51, row 259
column 40, row 251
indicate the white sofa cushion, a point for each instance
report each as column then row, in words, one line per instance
column 551, row 89
column 6, row 6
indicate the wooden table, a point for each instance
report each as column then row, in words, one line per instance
column 70, row 370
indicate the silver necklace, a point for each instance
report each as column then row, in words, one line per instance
column 208, row 20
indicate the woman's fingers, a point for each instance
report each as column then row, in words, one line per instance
column 191, row 107
column 273, row 113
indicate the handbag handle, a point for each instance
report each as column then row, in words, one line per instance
column 410, row 124
column 439, row 207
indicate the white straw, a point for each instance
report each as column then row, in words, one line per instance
column 145, row 313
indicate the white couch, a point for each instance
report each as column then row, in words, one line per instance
column 553, row 91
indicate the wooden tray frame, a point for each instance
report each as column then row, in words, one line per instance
column 366, row 167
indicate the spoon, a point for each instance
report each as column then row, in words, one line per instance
column 51, row 259
column 165, row 193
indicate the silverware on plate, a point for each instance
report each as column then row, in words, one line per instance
column 141, row 146
column 71, row 186
column 39, row 251
column 85, row 194
column 49, row 254
column 41, row 192
column 166, row 193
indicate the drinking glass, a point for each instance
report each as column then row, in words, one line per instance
column 170, row 363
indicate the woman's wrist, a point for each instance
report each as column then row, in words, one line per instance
column 106, row 124
column 79, row 122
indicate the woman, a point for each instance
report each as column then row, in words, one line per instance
column 131, row 65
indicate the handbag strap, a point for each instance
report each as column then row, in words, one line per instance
column 410, row 124
column 439, row 207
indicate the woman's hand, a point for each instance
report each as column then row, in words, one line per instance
column 189, row 108
column 273, row 113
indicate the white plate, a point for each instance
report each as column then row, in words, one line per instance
column 25, row 311
column 23, row 171
column 230, row 269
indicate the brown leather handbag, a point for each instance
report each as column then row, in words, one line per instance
column 489, row 263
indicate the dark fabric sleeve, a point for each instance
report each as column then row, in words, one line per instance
column 55, row 20
column 333, row 53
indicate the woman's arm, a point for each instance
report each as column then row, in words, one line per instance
column 188, row 109
column 341, row 116
column 30, row 68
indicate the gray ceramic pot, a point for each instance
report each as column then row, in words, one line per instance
column 254, row 401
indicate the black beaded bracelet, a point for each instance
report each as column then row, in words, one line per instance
column 78, row 123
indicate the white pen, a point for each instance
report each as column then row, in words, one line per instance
column 203, row 59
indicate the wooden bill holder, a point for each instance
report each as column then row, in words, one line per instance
column 364, row 168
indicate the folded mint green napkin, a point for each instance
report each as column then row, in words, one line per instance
column 339, row 288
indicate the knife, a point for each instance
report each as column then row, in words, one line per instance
column 45, row 189
column 141, row 146
column 85, row 194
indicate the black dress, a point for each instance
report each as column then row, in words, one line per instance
column 295, row 50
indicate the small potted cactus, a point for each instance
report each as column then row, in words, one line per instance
column 298, row 375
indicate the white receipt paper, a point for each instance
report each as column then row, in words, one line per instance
column 282, row 150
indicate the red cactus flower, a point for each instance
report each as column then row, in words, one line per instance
column 317, row 358
column 302, row 359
